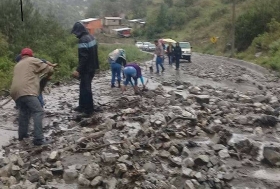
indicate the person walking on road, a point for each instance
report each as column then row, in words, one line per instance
column 88, row 64
column 178, row 55
column 117, row 59
column 159, row 52
column 170, row 51
column 25, row 91
column 133, row 71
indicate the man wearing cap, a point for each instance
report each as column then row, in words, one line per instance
column 132, row 70
column 88, row 64
column 25, row 90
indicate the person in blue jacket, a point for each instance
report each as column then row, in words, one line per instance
column 133, row 71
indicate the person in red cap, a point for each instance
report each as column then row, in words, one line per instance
column 25, row 90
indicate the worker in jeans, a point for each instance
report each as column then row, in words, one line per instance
column 117, row 59
column 25, row 90
column 159, row 52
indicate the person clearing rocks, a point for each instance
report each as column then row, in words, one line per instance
column 133, row 71
column 25, row 91
column 117, row 59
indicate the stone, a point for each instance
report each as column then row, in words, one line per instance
column 198, row 175
column 120, row 169
column 266, row 121
column 243, row 120
column 12, row 181
column 258, row 131
column 173, row 150
column 186, row 152
column 160, row 100
column 111, row 137
column 111, row 183
column 33, row 175
column 218, row 147
column 189, row 185
column 91, row 171
column 47, row 175
column 188, row 162
column 194, row 90
column 228, row 176
column 83, row 181
column 186, row 171
column 96, row 181
column 202, row 99
column 70, row 174
column 157, row 117
column 54, row 156
column 150, row 167
column 176, row 160
column 15, row 169
column 164, row 154
column 180, row 87
column 272, row 155
column 109, row 157
column 202, row 160
column 224, row 154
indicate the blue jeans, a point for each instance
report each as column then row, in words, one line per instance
column 41, row 99
column 29, row 106
column 170, row 59
column 116, row 70
column 159, row 61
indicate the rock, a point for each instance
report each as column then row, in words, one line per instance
column 202, row 99
column 70, row 174
column 180, row 87
column 188, row 162
column 243, row 120
column 224, row 154
column 96, row 181
column 111, row 183
column 54, row 156
column 91, row 171
column 150, row 167
column 157, row 117
column 12, row 181
column 218, row 147
column 109, row 157
column 164, row 154
column 198, row 176
column 173, row 150
column 228, row 176
column 189, row 185
column 266, row 121
column 258, row 131
column 245, row 99
column 186, row 171
column 160, row 100
column 111, row 137
column 120, row 169
column 83, row 181
column 272, row 155
column 202, row 160
column 57, row 171
column 15, row 170
column 186, row 152
column 194, row 90
column 177, row 161
column 260, row 99
column 47, row 175
column 33, row 175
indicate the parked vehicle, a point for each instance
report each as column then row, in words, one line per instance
column 145, row 46
column 139, row 44
column 186, row 50
column 151, row 47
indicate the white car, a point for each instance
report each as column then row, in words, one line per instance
column 186, row 50
column 139, row 45
column 145, row 45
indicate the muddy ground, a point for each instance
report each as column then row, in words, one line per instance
column 213, row 124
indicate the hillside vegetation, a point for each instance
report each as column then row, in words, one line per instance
column 48, row 39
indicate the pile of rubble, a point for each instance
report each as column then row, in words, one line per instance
column 161, row 140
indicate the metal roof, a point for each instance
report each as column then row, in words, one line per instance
column 113, row 18
column 89, row 19
column 121, row 29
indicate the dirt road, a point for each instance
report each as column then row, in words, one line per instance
column 212, row 124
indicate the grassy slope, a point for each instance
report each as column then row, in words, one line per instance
column 214, row 16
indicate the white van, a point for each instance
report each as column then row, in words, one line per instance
column 186, row 50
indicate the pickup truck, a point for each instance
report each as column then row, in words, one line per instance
column 186, row 50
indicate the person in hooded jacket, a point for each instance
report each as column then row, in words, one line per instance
column 88, row 64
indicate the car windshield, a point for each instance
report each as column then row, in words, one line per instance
column 152, row 45
column 147, row 43
column 185, row 45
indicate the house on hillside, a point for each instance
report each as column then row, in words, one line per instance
column 110, row 23
column 94, row 25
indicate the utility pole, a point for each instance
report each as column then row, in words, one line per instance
column 233, row 29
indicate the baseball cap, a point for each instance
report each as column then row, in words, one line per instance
column 26, row 52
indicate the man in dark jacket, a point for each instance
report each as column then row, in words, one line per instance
column 88, row 63
column 170, row 51
column 177, row 54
